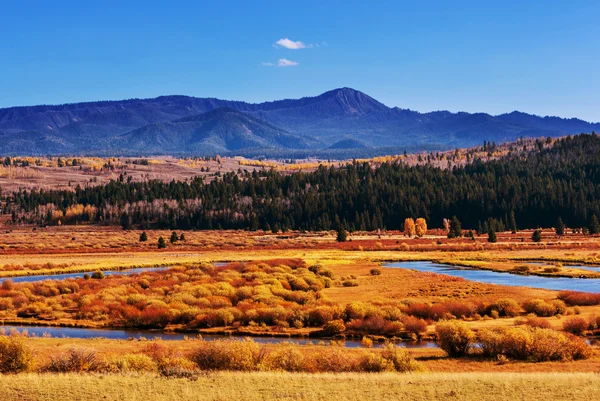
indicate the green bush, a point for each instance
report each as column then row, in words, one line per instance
column 99, row 275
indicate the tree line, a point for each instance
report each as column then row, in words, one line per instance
column 525, row 190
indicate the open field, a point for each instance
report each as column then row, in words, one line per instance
column 80, row 247
column 288, row 386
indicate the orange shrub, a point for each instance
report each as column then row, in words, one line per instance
column 576, row 325
column 531, row 343
column 577, row 298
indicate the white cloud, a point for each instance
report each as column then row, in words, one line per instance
column 290, row 44
column 284, row 62
column 265, row 64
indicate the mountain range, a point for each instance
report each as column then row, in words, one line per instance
column 342, row 120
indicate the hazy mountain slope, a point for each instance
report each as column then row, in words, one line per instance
column 220, row 130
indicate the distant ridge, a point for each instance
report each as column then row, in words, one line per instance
column 220, row 130
column 339, row 119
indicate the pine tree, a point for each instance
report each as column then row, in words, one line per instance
column 161, row 243
column 455, row 228
column 594, row 226
column 342, row 235
column 125, row 221
column 560, row 227
column 492, row 235
column 512, row 222
column 174, row 237
column 536, row 236
column 143, row 237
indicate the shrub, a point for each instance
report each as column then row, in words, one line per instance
column 401, row 359
column 576, row 325
column 227, row 355
column 531, row 343
column 7, row 285
column 76, row 360
column 342, row 235
column 375, row 362
column 356, row 310
column 99, row 275
column 577, row 298
column 178, row 368
column 540, row 307
column 334, row 327
column 350, row 283
column 506, row 307
column 455, row 338
column 132, row 363
column 375, row 271
column 414, row 325
column 287, row 358
column 534, row 321
column 15, row 355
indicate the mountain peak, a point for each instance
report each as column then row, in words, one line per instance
column 352, row 101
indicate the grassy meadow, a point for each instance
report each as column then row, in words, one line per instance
column 299, row 386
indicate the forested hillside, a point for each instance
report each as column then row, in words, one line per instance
column 538, row 187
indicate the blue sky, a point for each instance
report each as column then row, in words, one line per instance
column 540, row 57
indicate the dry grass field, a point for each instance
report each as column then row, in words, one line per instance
column 290, row 386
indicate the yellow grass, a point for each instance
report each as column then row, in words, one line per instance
column 287, row 386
